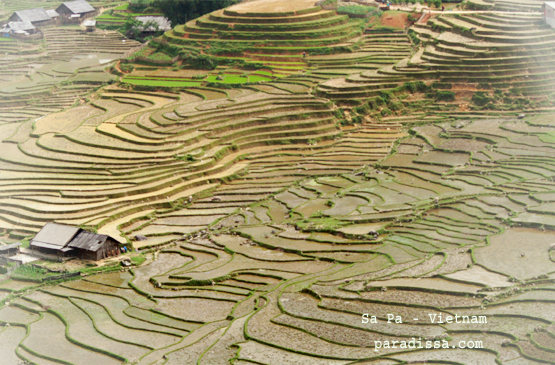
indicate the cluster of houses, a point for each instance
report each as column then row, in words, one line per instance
column 24, row 23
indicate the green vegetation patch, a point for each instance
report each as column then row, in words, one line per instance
column 163, row 83
column 227, row 79
column 356, row 9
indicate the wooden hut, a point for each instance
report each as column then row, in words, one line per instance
column 93, row 246
column 15, row 29
column 10, row 250
column 37, row 16
column 76, row 9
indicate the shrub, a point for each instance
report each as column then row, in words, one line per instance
column 356, row 120
column 395, row 105
column 137, row 260
column 414, row 38
column 363, row 110
column 386, row 96
column 328, row 3
column 480, row 98
column 159, row 56
column 253, row 65
column 356, row 9
column 202, row 62
column 445, row 96
column 415, row 86
column 138, row 6
column 442, row 85
column 125, row 67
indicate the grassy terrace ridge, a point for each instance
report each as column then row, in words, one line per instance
column 303, row 30
column 270, row 198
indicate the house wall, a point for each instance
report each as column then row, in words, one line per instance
column 549, row 15
column 34, row 36
column 66, row 20
column 65, row 12
column 9, row 252
column 14, row 18
column 108, row 249
column 47, row 251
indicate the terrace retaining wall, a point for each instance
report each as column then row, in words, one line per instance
column 151, row 61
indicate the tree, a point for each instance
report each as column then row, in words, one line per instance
column 181, row 11
column 138, row 6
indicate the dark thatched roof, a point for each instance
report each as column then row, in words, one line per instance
column 88, row 241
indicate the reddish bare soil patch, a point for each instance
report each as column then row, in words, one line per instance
column 425, row 18
column 394, row 19
column 460, row 94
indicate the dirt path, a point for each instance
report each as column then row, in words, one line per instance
column 272, row 6
column 420, row 8
column 483, row 11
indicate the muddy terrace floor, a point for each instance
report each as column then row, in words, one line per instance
column 286, row 280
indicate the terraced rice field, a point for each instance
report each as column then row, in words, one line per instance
column 275, row 220
column 276, row 39
column 504, row 56
column 416, row 236
column 132, row 154
column 56, row 73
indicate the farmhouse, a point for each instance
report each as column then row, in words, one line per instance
column 76, row 9
column 53, row 14
column 10, row 250
column 61, row 240
column 93, row 246
column 90, row 25
column 37, row 16
column 549, row 13
column 162, row 23
column 18, row 28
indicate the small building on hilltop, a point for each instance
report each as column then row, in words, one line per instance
column 37, row 16
column 549, row 13
column 76, row 9
column 62, row 240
